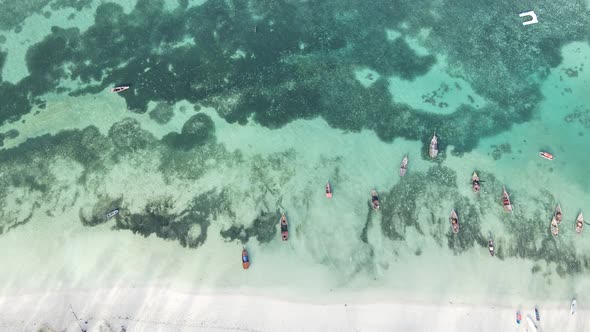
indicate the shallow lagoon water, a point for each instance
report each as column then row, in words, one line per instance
column 254, row 135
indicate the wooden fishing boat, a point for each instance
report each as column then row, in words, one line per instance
column 112, row 213
column 546, row 155
column 475, row 182
column 403, row 168
column 537, row 316
column 454, row 221
column 433, row 149
column 579, row 223
column 554, row 228
column 284, row 227
column 120, row 88
column 491, row 247
column 245, row 259
column 557, row 216
column 374, row 199
column 328, row 190
column 506, row 200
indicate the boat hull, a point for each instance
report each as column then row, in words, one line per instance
column 245, row 260
column 546, row 155
column 284, row 228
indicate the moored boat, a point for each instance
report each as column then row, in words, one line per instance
column 328, row 190
column 284, row 228
column 112, row 213
column 374, row 199
column 573, row 306
column 403, row 168
column 119, row 88
column 491, row 247
column 245, row 259
column 454, row 221
column 537, row 316
column 557, row 216
column 433, row 149
column 475, row 182
column 506, row 200
column 546, row 155
column 518, row 317
column 579, row 223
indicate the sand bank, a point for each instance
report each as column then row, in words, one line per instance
column 156, row 309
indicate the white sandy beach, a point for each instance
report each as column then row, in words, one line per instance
column 158, row 309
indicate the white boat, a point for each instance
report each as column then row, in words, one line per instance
column 113, row 213
column 573, row 306
column 403, row 168
column 433, row 149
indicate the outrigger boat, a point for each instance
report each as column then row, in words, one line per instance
column 374, row 199
column 433, row 150
column 328, row 190
column 506, row 200
column 579, row 223
column 454, row 221
column 491, row 247
column 403, row 168
column 546, row 155
column 112, row 213
column 284, row 228
column 557, row 216
column 475, row 183
column 119, row 88
column 245, row 259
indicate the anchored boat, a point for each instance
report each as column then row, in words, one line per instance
column 454, row 221
column 245, row 259
column 284, row 228
column 119, row 88
column 433, row 149
column 374, row 199
column 506, row 200
column 328, row 190
column 475, row 183
column 403, row 168
column 579, row 223
column 557, row 216
column 546, row 155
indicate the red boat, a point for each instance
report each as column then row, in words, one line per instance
column 328, row 190
column 245, row 259
column 375, row 199
column 119, row 88
column 284, row 228
column 506, row 200
column 546, row 155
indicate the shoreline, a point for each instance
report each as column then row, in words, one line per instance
column 160, row 309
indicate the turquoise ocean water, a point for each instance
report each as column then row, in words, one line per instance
column 241, row 110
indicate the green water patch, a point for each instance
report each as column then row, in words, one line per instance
column 263, row 228
column 162, row 113
column 300, row 62
column 163, row 218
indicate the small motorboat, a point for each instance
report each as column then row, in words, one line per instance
column 403, row 168
column 433, row 149
column 119, row 88
column 328, row 190
column 546, row 155
column 245, row 259
column 537, row 316
column 573, row 306
column 454, row 221
column 518, row 317
column 491, row 247
column 579, row 223
column 506, row 200
column 374, row 199
column 284, row 228
column 475, row 183
column 112, row 213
